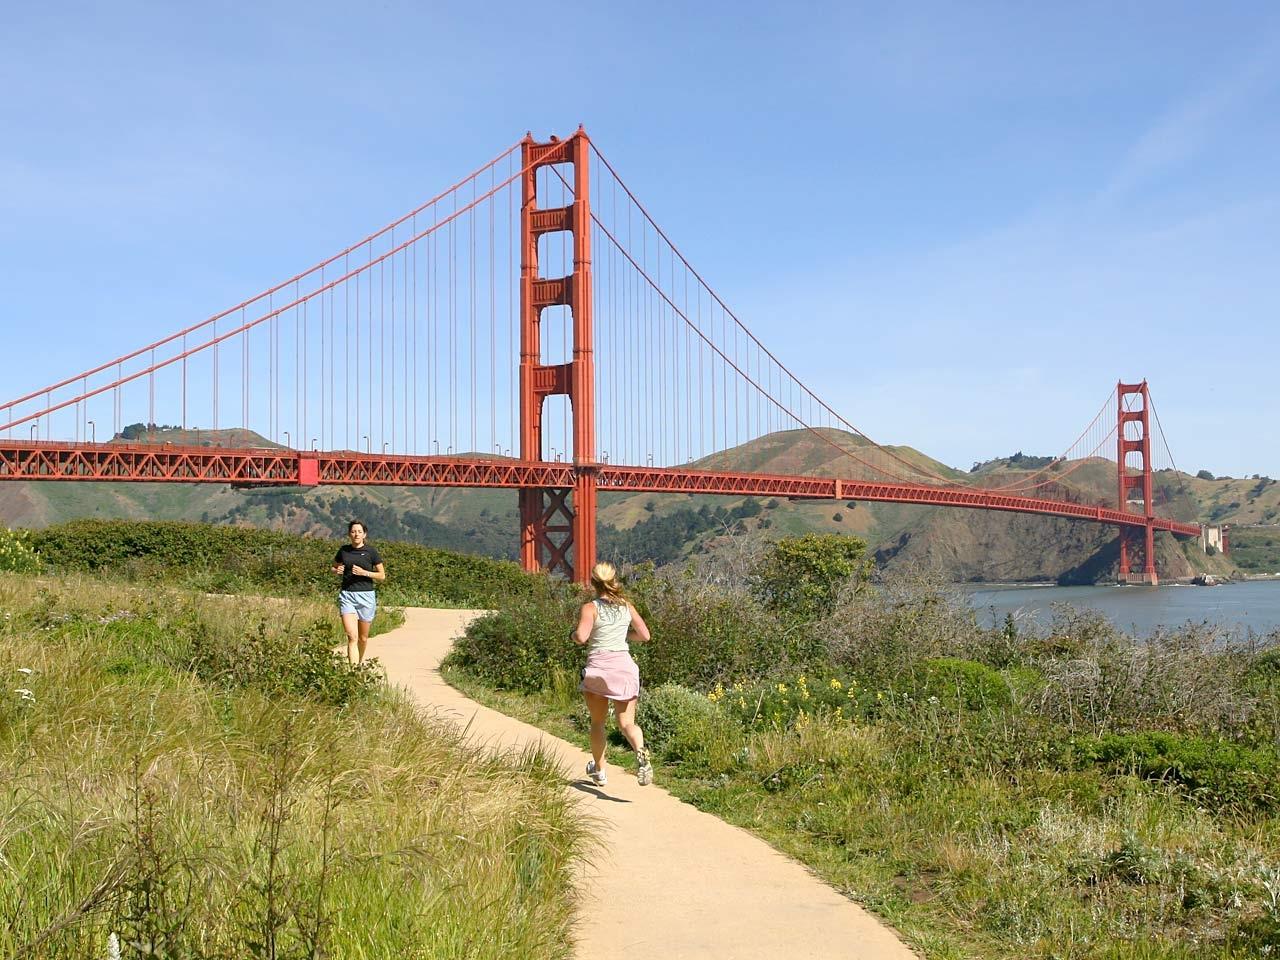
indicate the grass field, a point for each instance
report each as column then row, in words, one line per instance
column 201, row 777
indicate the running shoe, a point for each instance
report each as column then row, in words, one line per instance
column 599, row 776
column 644, row 769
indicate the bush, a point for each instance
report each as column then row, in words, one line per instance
column 962, row 684
column 16, row 552
column 242, row 559
column 1214, row 772
column 801, row 577
column 679, row 723
column 298, row 663
column 881, row 634
column 705, row 632
column 1101, row 680
column 527, row 645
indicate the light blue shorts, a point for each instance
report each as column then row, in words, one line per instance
column 363, row 603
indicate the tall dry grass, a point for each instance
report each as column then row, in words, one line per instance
column 225, row 817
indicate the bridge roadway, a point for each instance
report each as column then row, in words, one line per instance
column 44, row 460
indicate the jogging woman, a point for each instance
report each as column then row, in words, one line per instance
column 610, row 673
column 360, row 567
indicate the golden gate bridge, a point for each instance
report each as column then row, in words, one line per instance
column 532, row 327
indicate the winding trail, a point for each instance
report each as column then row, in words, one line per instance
column 671, row 882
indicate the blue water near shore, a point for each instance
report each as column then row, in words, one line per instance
column 1251, row 605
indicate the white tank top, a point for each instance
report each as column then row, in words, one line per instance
column 609, row 632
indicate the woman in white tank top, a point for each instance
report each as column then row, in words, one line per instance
column 610, row 674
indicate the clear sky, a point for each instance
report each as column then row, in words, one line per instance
column 982, row 215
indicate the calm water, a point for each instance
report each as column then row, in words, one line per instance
column 1254, row 605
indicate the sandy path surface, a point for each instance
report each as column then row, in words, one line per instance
column 669, row 881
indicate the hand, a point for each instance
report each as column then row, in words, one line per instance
column 359, row 571
column 336, row 568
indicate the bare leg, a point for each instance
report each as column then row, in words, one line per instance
column 349, row 624
column 599, row 707
column 625, row 711
column 364, row 637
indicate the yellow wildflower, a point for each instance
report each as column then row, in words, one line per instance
column 836, row 684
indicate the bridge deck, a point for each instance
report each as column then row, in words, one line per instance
column 36, row 460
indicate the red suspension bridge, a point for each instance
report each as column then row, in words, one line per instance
column 532, row 327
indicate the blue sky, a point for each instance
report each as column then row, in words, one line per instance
column 982, row 215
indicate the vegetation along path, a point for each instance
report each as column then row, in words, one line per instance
column 669, row 881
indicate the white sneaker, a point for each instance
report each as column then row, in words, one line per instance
column 599, row 776
column 644, row 769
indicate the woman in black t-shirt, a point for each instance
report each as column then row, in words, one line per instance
column 360, row 567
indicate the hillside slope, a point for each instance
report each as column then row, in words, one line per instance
column 965, row 544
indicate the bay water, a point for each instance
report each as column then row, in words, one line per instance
column 1243, row 606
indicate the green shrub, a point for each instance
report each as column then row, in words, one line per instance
column 801, row 577
column 962, row 684
column 701, row 632
column 16, row 552
column 704, row 632
column 679, row 723
column 1214, row 772
column 525, row 647
column 298, row 662
column 246, row 560
column 1266, row 665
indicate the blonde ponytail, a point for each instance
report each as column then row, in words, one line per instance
column 604, row 578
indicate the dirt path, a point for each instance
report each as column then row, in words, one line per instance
column 670, row 882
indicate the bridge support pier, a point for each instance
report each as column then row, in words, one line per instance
column 1134, row 484
column 558, row 527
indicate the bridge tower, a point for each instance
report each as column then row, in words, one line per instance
column 1132, row 486
column 558, row 526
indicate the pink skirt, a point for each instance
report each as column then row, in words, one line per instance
column 612, row 674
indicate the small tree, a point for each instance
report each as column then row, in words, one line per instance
column 1205, row 475
column 802, row 576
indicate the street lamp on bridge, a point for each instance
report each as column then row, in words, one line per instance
column 368, row 447
column 287, row 441
column 93, row 432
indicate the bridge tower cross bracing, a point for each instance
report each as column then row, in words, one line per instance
column 558, row 526
column 1131, row 486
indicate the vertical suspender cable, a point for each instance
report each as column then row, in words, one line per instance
column 493, row 325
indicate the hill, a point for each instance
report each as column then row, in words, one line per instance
column 965, row 544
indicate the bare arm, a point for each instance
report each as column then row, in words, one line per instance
column 586, row 620
column 379, row 573
column 638, row 626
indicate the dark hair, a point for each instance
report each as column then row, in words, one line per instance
column 363, row 526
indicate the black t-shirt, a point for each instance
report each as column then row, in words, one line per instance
column 365, row 557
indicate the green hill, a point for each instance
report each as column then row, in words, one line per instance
column 966, row 544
